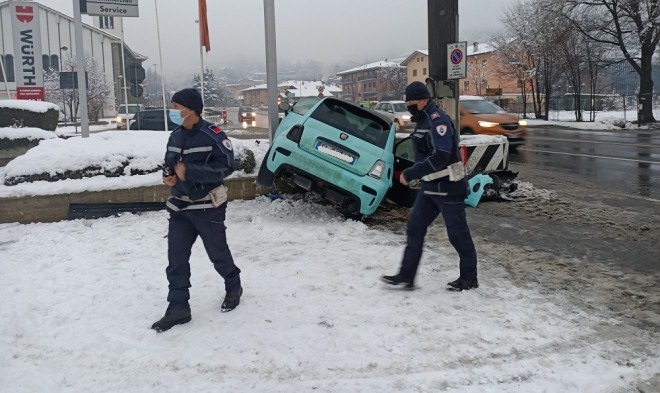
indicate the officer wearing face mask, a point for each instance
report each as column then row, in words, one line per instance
column 198, row 159
column 440, row 175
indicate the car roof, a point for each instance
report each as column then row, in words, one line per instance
column 153, row 110
column 471, row 98
column 391, row 102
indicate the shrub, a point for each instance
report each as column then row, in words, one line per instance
column 11, row 117
column 245, row 161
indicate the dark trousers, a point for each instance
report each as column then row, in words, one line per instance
column 425, row 210
column 184, row 228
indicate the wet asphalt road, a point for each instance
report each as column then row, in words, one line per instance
column 618, row 160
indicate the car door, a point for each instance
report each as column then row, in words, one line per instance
column 404, row 157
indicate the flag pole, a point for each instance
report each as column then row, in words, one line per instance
column 201, row 58
column 204, row 41
column 162, row 75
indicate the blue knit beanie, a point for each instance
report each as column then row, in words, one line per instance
column 417, row 91
column 190, row 98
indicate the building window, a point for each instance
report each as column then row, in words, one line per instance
column 414, row 72
column 55, row 62
column 466, row 85
column 8, row 61
column 424, row 71
column 46, row 61
column 106, row 22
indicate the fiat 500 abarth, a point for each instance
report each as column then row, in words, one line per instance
column 336, row 149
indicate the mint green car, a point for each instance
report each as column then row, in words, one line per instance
column 336, row 149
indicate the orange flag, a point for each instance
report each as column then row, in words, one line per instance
column 204, row 26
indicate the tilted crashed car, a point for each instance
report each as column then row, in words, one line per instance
column 336, row 149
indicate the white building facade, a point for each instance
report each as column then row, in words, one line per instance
column 56, row 31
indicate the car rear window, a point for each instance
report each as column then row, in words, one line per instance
column 354, row 121
column 481, row 106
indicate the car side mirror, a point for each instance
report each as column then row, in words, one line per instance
column 284, row 106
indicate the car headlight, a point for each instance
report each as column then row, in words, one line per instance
column 522, row 123
column 405, row 117
column 377, row 169
column 487, row 124
column 254, row 113
column 119, row 119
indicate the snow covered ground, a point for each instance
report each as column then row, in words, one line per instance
column 80, row 296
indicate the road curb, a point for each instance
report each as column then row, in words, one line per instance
column 53, row 208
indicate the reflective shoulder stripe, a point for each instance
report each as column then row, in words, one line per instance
column 174, row 149
column 436, row 175
column 198, row 149
column 422, row 131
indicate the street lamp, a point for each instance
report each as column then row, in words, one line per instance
column 63, row 48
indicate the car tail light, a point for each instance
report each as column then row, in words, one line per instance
column 295, row 133
column 377, row 169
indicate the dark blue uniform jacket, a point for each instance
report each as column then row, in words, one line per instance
column 207, row 154
column 435, row 147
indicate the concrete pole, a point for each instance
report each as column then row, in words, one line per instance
column 443, row 30
column 80, row 65
column 271, row 66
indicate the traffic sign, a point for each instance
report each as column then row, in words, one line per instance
column 135, row 73
column 136, row 90
column 456, row 61
column 110, row 7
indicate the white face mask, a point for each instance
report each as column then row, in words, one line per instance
column 175, row 116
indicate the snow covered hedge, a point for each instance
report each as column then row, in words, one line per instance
column 110, row 154
column 24, row 113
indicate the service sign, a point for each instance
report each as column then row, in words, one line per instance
column 123, row 8
column 456, row 60
column 28, row 65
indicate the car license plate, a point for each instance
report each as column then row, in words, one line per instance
column 334, row 152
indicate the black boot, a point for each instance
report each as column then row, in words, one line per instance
column 232, row 299
column 173, row 316
column 406, row 283
column 462, row 284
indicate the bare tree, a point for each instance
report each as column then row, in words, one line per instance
column 632, row 26
column 477, row 74
column 98, row 89
column 392, row 82
column 529, row 48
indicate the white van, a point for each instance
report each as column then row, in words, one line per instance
column 125, row 113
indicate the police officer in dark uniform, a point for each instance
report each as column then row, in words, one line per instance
column 441, row 177
column 199, row 157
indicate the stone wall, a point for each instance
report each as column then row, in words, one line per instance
column 52, row 208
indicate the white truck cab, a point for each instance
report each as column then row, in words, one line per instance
column 125, row 113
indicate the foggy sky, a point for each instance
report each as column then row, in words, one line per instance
column 327, row 31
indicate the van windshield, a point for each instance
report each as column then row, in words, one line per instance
column 131, row 108
column 481, row 106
